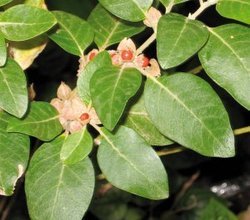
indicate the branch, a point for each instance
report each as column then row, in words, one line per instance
column 240, row 131
column 146, row 44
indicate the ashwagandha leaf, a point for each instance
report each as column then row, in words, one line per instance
column 138, row 119
column 41, row 121
column 234, row 9
column 13, row 89
column 110, row 29
column 76, row 147
column 110, row 89
column 226, row 59
column 178, row 39
column 186, row 109
column 3, row 51
column 100, row 60
column 131, row 10
column 74, row 34
column 55, row 190
column 132, row 165
column 5, row 2
column 167, row 3
column 14, row 156
column 23, row 22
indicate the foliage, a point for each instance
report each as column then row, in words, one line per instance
column 124, row 103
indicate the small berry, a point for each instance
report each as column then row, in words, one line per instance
column 84, row 117
column 145, row 62
column 127, row 55
column 92, row 55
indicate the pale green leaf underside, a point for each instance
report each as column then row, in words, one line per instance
column 110, row 29
column 4, row 2
column 131, row 10
column 3, row 51
column 110, row 89
column 215, row 210
column 14, row 156
column 138, row 119
column 74, row 34
column 178, row 39
column 41, row 121
column 235, row 9
column 132, row 165
column 23, row 22
column 58, row 191
column 226, row 59
column 76, row 147
column 167, row 3
column 13, row 89
column 192, row 115
column 99, row 61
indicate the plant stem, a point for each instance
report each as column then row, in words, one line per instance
column 240, row 131
column 203, row 6
column 196, row 70
column 169, row 7
column 146, row 44
column 170, row 151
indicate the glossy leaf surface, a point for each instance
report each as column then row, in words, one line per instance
column 226, row 59
column 41, row 121
column 186, row 109
column 178, row 39
column 110, row 89
column 132, row 165
column 55, row 190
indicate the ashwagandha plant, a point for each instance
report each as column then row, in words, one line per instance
column 132, row 101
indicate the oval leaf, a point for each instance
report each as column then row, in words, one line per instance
column 138, row 119
column 102, row 59
column 23, row 22
column 132, row 165
column 3, row 51
column 226, row 59
column 178, row 39
column 131, row 10
column 13, row 89
column 235, row 9
column 171, row 3
column 74, row 34
column 14, row 156
column 110, row 29
column 55, row 190
column 41, row 122
column 186, row 109
column 76, row 147
column 110, row 89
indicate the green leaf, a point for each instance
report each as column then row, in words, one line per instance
column 76, row 147
column 110, row 89
column 55, row 190
column 74, row 34
column 37, row 3
column 178, row 39
column 110, row 29
column 41, row 122
column 138, row 119
column 167, row 3
column 23, row 22
column 100, row 60
column 132, row 165
column 13, row 89
column 216, row 210
column 14, row 156
column 234, row 9
column 5, row 2
column 186, row 109
column 131, row 10
column 3, row 51
column 226, row 59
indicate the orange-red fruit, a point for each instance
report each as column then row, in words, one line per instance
column 84, row 117
column 92, row 55
column 145, row 62
column 127, row 55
